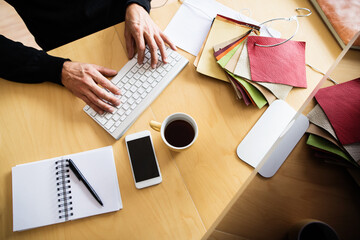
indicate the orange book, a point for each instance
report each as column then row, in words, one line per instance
column 342, row 18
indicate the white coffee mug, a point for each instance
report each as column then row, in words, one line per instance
column 178, row 131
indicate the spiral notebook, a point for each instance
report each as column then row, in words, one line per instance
column 47, row 192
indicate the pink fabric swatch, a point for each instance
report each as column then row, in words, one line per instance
column 244, row 95
column 284, row 64
column 341, row 104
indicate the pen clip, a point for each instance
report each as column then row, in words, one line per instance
column 74, row 169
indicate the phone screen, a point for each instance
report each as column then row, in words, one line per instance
column 142, row 158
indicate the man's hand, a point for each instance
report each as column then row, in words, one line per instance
column 83, row 81
column 140, row 29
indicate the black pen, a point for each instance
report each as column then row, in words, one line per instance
column 81, row 177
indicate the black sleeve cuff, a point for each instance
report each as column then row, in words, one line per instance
column 144, row 3
column 53, row 68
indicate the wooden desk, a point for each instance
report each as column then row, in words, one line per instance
column 199, row 186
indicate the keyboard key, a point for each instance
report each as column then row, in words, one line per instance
column 123, row 99
column 135, row 69
column 133, row 89
column 136, row 95
column 116, row 117
column 160, row 69
column 137, row 76
column 129, row 74
column 131, row 101
column 128, row 94
column 112, row 129
column 138, row 83
column 120, row 85
column 143, row 78
column 146, row 85
column 101, row 119
column 109, row 124
column 141, row 71
column 108, row 116
column 147, row 74
column 92, row 112
column 132, row 81
column 150, row 80
column 155, row 74
column 121, row 111
column 174, row 54
column 115, row 80
column 141, row 90
column 168, row 67
column 126, row 106
column 127, row 86
column 146, row 66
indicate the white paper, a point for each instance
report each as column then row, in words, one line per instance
column 34, row 195
column 191, row 23
column 100, row 171
column 35, row 200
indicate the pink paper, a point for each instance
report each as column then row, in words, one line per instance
column 284, row 64
column 341, row 104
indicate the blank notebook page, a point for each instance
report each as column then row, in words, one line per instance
column 35, row 190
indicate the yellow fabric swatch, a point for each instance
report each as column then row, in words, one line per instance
column 220, row 31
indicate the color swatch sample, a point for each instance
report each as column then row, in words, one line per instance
column 283, row 64
column 341, row 104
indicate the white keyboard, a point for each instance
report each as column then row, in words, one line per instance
column 140, row 85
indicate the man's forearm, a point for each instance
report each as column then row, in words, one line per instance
column 23, row 64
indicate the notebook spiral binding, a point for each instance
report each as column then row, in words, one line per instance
column 63, row 189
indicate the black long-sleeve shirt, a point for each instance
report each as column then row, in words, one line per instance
column 55, row 23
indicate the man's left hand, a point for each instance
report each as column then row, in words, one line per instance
column 140, row 29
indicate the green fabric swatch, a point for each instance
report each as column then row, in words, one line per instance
column 255, row 94
column 225, row 59
column 322, row 143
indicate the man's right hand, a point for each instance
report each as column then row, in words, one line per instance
column 83, row 81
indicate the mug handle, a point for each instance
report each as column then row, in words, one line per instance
column 155, row 125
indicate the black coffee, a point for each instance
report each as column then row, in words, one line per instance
column 179, row 133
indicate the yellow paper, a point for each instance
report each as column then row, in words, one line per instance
column 220, row 31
